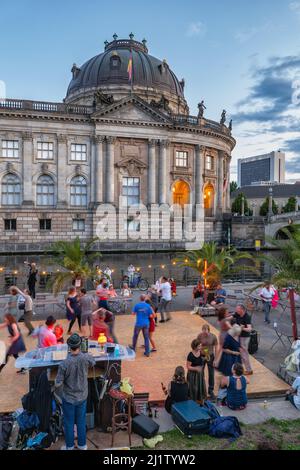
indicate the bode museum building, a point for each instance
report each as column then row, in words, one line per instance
column 122, row 135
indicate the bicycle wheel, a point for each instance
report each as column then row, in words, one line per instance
column 143, row 284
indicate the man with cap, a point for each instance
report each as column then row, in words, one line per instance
column 45, row 333
column 72, row 375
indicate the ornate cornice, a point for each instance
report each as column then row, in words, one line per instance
column 62, row 138
column 98, row 139
column 27, row 136
column 152, row 142
column 111, row 139
column 164, row 143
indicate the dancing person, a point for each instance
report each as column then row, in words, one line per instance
column 230, row 352
column 209, row 343
column 220, row 295
column 154, row 300
column 142, row 311
column 151, row 326
column 166, row 297
column 32, row 278
column 243, row 319
column 224, row 319
column 236, row 385
column 87, row 306
column 28, row 309
column 73, row 309
column 195, row 376
column 178, row 389
column 16, row 340
column 267, row 294
column 100, row 326
column 45, row 333
column 12, row 304
column 102, row 292
column 72, row 375
column 173, row 286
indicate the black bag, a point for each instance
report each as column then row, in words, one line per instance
column 253, row 343
column 191, row 418
column 168, row 404
column 144, row 426
column 6, row 425
column 21, row 306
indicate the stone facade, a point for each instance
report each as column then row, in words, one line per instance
column 97, row 147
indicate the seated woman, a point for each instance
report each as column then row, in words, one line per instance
column 178, row 389
column 112, row 291
column 99, row 326
column 198, row 294
column 236, row 388
column 230, row 352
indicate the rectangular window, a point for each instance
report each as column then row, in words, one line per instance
column 45, row 150
column 78, row 225
column 10, row 148
column 209, row 162
column 131, row 191
column 10, row 224
column 182, row 159
column 45, row 224
column 78, row 152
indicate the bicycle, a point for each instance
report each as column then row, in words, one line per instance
column 135, row 282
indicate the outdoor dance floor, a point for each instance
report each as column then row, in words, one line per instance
column 173, row 343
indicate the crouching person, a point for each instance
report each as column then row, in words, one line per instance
column 72, row 375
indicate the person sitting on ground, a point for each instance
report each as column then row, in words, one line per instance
column 45, row 333
column 242, row 319
column 236, row 384
column 209, row 345
column 16, row 340
column 230, row 352
column 195, row 376
column 293, row 395
column 112, row 291
column 224, row 319
column 220, row 295
column 100, row 326
column 178, row 389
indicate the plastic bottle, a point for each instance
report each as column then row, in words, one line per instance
column 117, row 350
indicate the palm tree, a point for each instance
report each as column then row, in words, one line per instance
column 74, row 262
column 220, row 261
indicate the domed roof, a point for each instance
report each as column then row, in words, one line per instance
column 111, row 68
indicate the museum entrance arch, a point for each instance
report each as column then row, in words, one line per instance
column 209, row 200
column 180, row 193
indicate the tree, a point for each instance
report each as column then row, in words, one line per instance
column 220, row 261
column 291, row 205
column 233, row 186
column 236, row 207
column 74, row 262
column 264, row 208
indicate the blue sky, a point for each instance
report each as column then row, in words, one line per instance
column 239, row 55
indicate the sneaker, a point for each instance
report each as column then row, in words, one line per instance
column 168, row 319
column 21, row 371
column 162, row 321
column 147, row 355
column 153, row 350
column 82, row 447
column 131, row 347
column 66, row 448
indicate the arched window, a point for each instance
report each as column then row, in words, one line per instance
column 11, row 190
column 45, row 193
column 78, row 191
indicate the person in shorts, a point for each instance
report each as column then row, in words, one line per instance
column 87, row 305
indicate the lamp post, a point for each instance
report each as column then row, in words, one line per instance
column 270, row 210
column 293, row 313
column 243, row 206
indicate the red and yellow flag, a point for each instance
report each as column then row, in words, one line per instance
column 129, row 68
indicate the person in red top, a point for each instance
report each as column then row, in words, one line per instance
column 152, row 326
column 45, row 334
column 99, row 325
column 173, row 286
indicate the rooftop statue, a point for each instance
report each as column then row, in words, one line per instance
column 201, row 107
column 223, row 117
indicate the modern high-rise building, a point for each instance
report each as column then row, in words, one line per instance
column 269, row 167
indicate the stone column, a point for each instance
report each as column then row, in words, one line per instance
column 220, row 183
column 62, row 162
column 199, row 166
column 152, row 172
column 99, row 169
column 28, row 197
column 163, row 180
column 110, row 170
column 227, row 196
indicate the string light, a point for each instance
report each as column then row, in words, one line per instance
column 163, row 266
column 149, row 266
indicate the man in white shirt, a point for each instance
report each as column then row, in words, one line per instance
column 166, row 297
column 130, row 273
column 267, row 295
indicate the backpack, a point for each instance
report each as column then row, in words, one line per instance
column 225, row 426
column 211, row 409
column 6, row 425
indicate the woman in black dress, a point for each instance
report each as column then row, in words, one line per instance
column 17, row 344
column 73, row 309
column 178, row 389
column 195, row 376
column 32, row 279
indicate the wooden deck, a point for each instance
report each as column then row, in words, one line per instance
column 173, row 343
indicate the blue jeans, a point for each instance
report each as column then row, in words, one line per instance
column 74, row 413
column 145, row 330
column 267, row 309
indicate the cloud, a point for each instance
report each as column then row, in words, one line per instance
column 196, row 29
column 245, row 35
column 295, row 7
